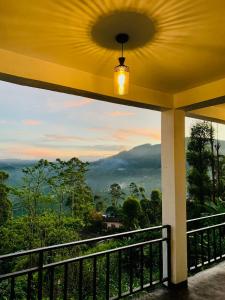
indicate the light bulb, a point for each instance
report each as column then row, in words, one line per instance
column 121, row 80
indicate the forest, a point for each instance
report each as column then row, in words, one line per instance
column 58, row 206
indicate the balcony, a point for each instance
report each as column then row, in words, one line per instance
column 205, row 285
column 140, row 262
column 177, row 67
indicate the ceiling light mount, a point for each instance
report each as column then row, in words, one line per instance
column 122, row 38
column 121, row 72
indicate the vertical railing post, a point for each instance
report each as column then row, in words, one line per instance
column 169, row 254
column 40, row 274
column 166, row 233
column 12, row 292
column 119, row 273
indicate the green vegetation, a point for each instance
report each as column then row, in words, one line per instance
column 205, row 176
column 5, row 204
column 57, row 205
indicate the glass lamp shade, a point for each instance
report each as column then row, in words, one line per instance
column 121, row 80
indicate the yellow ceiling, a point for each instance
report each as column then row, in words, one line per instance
column 185, row 45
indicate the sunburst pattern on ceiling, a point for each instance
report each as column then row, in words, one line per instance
column 186, row 47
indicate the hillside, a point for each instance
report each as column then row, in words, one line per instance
column 140, row 164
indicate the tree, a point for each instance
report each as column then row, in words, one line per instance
column 134, row 189
column 5, row 203
column 99, row 203
column 111, row 211
column 156, row 206
column 80, row 198
column 137, row 191
column 96, row 221
column 33, row 192
column 198, row 157
column 151, row 210
column 212, row 160
column 100, row 207
column 131, row 211
column 116, row 194
column 57, row 184
column 220, row 172
column 155, row 196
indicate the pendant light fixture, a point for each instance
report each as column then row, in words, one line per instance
column 121, row 72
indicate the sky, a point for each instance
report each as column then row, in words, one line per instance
column 36, row 123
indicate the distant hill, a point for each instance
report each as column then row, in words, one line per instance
column 140, row 164
column 14, row 168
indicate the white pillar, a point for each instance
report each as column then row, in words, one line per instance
column 174, row 190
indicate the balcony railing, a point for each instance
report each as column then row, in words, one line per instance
column 118, row 265
column 206, row 245
column 72, row 271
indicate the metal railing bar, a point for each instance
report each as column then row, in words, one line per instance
column 65, row 284
column 77, row 243
column 70, row 260
column 142, row 267
column 55, row 264
column 29, row 284
column 40, row 274
column 12, row 289
column 205, row 217
column 205, row 228
column 131, row 270
column 52, row 279
column 138, row 289
column 107, row 276
column 220, row 242
column 80, row 279
column 119, row 272
column 18, row 273
column 134, row 250
column 160, row 262
column 202, row 247
column 208, row 244
column 94, row 279
column 206, row 262
column 150, row 264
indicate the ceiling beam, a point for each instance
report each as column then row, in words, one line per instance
column 213, row 113
column 206, row 95
column 38, row 73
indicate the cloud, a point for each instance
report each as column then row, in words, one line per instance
column 77, row 102
column 124, row 134
column 120, row 113
column 8, row 122
column 31, row 122
column 26, row 151
column 106, row 147
column 62, row 138
column 3, row 122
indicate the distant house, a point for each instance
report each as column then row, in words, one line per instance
column 112, row 222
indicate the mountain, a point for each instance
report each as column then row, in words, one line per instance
column 14, row 168
column 140, row 164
